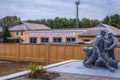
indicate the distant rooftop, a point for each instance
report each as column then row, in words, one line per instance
column 29, row 26
column 59, row 30
column 96, row 29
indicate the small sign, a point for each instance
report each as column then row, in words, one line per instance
column 60, row 34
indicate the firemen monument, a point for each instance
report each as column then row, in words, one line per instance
column 99, row 58
column 101, row 54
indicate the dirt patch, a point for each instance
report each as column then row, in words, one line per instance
column 13, row 67
column 46, row 76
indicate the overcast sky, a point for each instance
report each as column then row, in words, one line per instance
column 40, row 9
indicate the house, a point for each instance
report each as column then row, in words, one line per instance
column 39, row 34
column 19, row 32
column 90, row 33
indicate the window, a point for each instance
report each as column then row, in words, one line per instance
column 21, row 33
column 70, row 39
column 57, row 40
column 33, row 40
column 1, row 39
column 44, row 40
column 86, row 40
column 17, row 33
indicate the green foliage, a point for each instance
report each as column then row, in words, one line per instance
column 113, row 20
column 86, row 23
column 36, row 69
column 5, row 34
column 106, row 20
column 60, row 23
column 6, row 23
column 9, row 21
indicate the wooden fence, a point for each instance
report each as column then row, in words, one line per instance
column 48, row 53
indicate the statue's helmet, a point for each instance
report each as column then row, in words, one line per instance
column 110, row 33
column 103, row 32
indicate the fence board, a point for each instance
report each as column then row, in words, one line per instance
column 117, row 53
column 52, row 53
column 69, row 52
column 2, row 51
column 42, row 54
column 60, row 53
column 35, row 52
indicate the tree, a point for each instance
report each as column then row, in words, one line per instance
column 106, row 20
column 9, row 21
column 6, row 23
column 86, row 23
column 60, row 23
column 5, row 34
column 113, row 20
column 94, row 22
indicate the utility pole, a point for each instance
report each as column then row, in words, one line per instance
column 77, row 13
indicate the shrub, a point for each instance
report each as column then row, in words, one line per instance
column 39, row 72
column 36, row 69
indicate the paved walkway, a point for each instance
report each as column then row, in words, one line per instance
column 69, row 76
column 77, row 67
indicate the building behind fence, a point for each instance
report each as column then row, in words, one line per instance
column 48, row 53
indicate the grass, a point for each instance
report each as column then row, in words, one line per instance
column 13, row 67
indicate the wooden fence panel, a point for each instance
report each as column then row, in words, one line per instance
column 22, row 52
column 35, row 56
column 2, row 51
column 7, row 50
column 60, row 53
column 82, row 52
column 52, row 53
column 77, row 52
column 28, row 53
column 117, row 53
column 69, row 52
column 14, row 51
column 42, row 53
column 48, row 53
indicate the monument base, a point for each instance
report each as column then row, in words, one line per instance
column 76, row 66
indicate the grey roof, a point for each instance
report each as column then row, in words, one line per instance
column 95, row 30
column 18, row 27
column 29, row 26
column 60, row 30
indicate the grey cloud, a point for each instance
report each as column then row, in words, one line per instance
column 38, row 9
